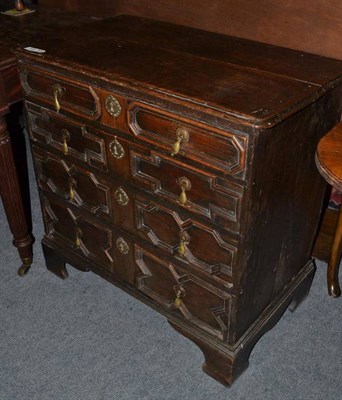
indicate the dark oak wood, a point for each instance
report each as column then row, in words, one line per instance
column 46, row 21
column 15, row 32
column 329, row 157
column 226, row 365
column 22, row 31
column 335, row 259
column 301, row 25
column 329, row 164
column 10, row 191
column 284, row 94
column 55, row 263
column 217, row 241
column 325, row 235
column 19, row 5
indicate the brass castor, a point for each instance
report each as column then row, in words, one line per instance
column 23, row 270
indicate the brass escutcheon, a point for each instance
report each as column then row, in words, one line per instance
column 113, row 106
column 121, row 197
column 185, row 186
column 116, row 149
column 182, row 135
column 122, row 245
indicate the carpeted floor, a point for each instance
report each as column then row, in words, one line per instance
column 84, row 339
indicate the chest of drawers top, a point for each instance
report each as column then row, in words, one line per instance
column 257, row 84
column 22, row 31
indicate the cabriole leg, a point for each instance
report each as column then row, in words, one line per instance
column 335, row 258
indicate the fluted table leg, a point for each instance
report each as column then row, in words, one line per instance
column 12, row 199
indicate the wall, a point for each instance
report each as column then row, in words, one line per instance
column 309, row 25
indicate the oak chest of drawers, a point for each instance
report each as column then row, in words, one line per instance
column 179, row 165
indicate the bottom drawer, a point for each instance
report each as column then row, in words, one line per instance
column 167, row 284
column 108, row 249
column 173, row 288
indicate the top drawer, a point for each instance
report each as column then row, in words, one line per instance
column 62, row 94
column 221, row 150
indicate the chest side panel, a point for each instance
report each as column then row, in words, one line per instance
column 284, row 204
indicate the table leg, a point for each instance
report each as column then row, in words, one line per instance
column 12, row 200
column 335, row 258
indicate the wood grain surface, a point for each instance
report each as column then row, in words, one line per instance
column 312, row 26
column 329, row 157
column 258, row 83
column 220, row 246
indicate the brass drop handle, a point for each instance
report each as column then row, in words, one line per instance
column 180, row 293
column 182, row 135
column 185, row 186
column 57, row 92
column 72, row 186
column 79, row 234
column 184, row 241
column 66, row 138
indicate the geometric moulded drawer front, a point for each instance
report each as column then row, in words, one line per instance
column 200, row 192
column 175, row 289
column 224, row 151
column 187, row 240
column 66, row 136
column 61, row 94
column 77, row 232
column 71, row 182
